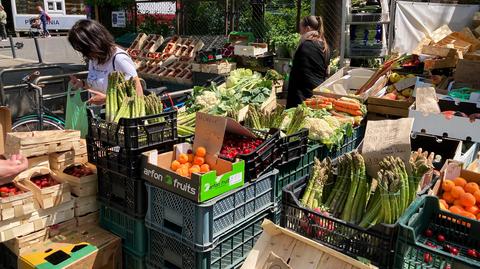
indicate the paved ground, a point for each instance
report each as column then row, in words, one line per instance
column 53, row 50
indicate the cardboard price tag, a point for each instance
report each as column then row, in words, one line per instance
column 426, row 100
column 386, row 138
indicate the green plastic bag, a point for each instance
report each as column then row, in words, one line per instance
column 76, row 114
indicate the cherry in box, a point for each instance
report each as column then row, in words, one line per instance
column 81, row 177
column 15, row 201
column 48, row 189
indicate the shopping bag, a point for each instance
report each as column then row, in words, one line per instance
column 76, row 114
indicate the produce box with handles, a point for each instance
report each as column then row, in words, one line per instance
column 15, row 201
column 350, row 211
column 430, row 237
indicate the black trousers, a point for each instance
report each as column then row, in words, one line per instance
column 3, row 31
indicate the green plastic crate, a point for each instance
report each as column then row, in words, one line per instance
column 132, row 261
column 131, row 230
column 296, row 169
column 460, row 232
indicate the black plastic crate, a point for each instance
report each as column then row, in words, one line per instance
column 135, row 134
column 230, row 251
column 350, row 143
column 8, row 259
column 375, row 244
column 122, row 192
column 293, row 146
column 264, row 157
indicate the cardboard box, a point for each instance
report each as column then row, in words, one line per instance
column 224, row 175
column 5, row 126
column 51, row 254
column 80, row 186
column 447, row 148
column 439, row 124
column 467, row 72
column 280, row 248
column 451, row 170
column 252, row 50
column 49, row 196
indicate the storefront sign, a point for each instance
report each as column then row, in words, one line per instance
column 58, row 22
column 119, row 19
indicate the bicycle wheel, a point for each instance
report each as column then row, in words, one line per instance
column 30, row 123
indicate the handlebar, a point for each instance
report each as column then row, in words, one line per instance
column 30, row 77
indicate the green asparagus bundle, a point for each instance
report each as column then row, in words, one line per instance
column 186, row 123
column 312, row 197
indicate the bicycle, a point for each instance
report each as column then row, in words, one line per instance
column 43, row 118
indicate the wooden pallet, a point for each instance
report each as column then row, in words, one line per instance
column 83, row 186
column 39, row 143
column 85, row 205
column 18, row 205
column 19, row 244
column 50, row 196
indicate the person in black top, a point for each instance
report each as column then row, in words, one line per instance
column 310, row 63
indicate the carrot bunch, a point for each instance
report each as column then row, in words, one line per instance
column 189, row 163
column 349, row 106
column 319, row 102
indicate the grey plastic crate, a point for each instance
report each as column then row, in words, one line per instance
column 229, row 253
column 200, row 225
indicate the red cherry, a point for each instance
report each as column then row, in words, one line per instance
column 440, row 238
column 472, row 253
column 454, row 251
column 428, row 233
column 427, row 257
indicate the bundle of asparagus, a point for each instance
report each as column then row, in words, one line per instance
column 322, row 173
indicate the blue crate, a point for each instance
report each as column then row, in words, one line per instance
column 200, row 225
column 228, row 253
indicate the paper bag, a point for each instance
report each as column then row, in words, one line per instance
column 386, row 138
column 426, row 100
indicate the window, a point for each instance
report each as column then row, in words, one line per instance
column 26, row 6
column 55, row 6
column 74, row 7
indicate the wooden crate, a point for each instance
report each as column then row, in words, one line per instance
column 19, row 244
column 388, row 107
column 59, row 160
column 18, row 205
column 39, row 143
column 83, row 186
column 58, row 214
column 39, row 161
column 10, row 229
column 85, row 205
column 50, row 196
column 69, row 225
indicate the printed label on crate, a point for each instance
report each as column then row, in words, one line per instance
column 234, row 179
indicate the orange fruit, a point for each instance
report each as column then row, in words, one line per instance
column 459, row 181
column 471, row 187
column 190, row 158
column 443, row 206
column 457, row 191
column 468, row 215
column 477, row 196
column 447, row 196
column 194, row 169
column 183, row 171
column 205, row 168
column 175, row 165
column 456, row 209
column 183, row 158
column 447, row 185
column 443, row 203
column 201, row 152
column 478, row 216
column 198, row 160
column 457, row 203
column 467, row 199
column 473, row 209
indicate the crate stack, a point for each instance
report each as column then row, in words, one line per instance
column 116, row 148
column 39, row 200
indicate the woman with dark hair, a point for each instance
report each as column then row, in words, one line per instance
column 310, row 62
column 96, row 44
